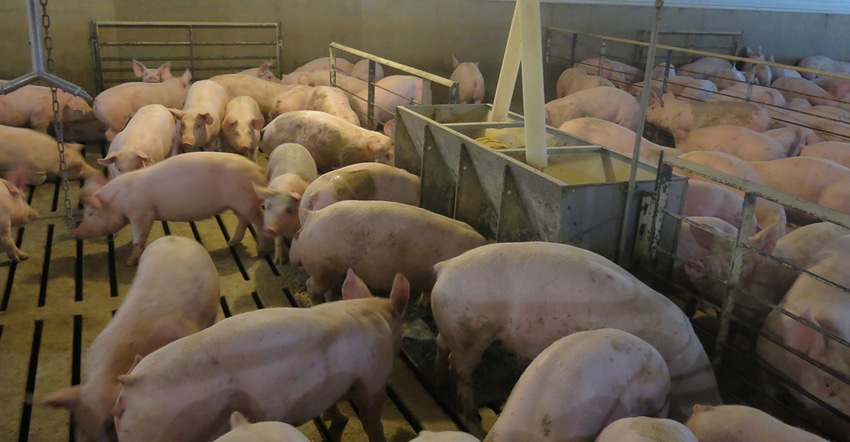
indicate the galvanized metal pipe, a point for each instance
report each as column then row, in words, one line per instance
column 509, row 71
column 532, row 84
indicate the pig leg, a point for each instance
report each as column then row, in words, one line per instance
column 281, row 251
column 141, row 230
column 464, row 359
column 441, row 362
column 249, row 215
column 6, row 243
column 369, row 409
column 335, row 416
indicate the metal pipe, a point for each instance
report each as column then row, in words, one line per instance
column 509, row 71
column 532, row 84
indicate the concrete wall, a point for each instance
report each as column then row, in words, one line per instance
column 422, row 33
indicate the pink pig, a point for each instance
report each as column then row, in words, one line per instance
column 201, row 116
column 581, row 383
column 333, row 142
column 573, row 80
column 680, row 117
column 739, row 423
column 390, row 92
column 241, row 126
column 158, row 75
column 741, row 142
column 361, row 70
column 114, row 106
column 528, row 295
column 263, row 92
column 243, row 431
column 187, row 187
column 470, row 81
column 374, row 239
column 281, row 364
column 14, row 212
column 263, row 72
column 615, row 137
column 645, row 429
column 149, row 137
column 39, row 153
column 175, row 293
column 32, row 106
column 606, row 103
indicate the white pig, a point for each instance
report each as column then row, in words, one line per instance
column 705, row 198
column 645, row 429
column 361, row 181
column 243, row 431
column 618, row 72
column 333, row 101
column 158, row 75
column 361, row 70
column 739, row 423
column 831, row 150
column 374, row 239
column 282, row 364
column 241, row 127
column 149, row 137
column 187, row 187
column 581, row 383
column 573, row 80
column 289, row 171
column 201, row 116
column 263, row 72
column 823, row 63
column 704, row 68
column 114, row 106
column 390, row 92
column 750, row 92
column 333, row 142
column 741, row 142
column 32, row 106
column 824, row 307
column 679, row 116
column 528, row 295
column 175, row 293
column 616, row 137
column 292, row 100
column 325, row 63
column 39, row 153
column 262, row 91
column 14, row 212
column 606, row 103
column 444, row 436
column 470, row 81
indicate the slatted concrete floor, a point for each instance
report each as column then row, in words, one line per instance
column 56, row 302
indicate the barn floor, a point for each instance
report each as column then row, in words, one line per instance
column 56, row 302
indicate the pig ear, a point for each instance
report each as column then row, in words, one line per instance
column 208, row 119
column 144, row 158
column 389, row 129
column 704, row 238
column 19, row 176
column 374, row 144
column 654, row 99
column 400, row 294
column 804, row 338
column 766, row 239
column 258, row 123
column 455, row 63
column 165, row 67
column 354, row 287
column 694, row 269
column 178, row 114
column 306, row 81
column 295, row 196
column 64, row 398
column 186, row 77
column 264, row 192
column 93, row 201
column 138, row 68
column 109, row 159
column 237, row 420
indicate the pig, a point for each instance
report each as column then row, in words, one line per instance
column 767, row 212
column 361, row 181
column 32, row 106
column 290, row 170
column 573, row 80
column 158, row 75
column 826, row 308
column 114, row 106
column 818, row 180
column 581, row 383
column 349, row 85
column 794, row 138
column 149, row 137
column 175, row 293
column 761, row 279
column 526, row 295
column 691, row 88
column 615, row 137
column 645, row 429
column 241, row 126
column 325, row 63
column 687, row 248
column 373, row 239
column 750, row 92
column 741, row 142
column 704, row 68
column 263, row 72
column 333, row 142
column 779, row 72
column 470, row 81
column 292, row 100
column 243, row 431
column 14, row 212
column 799, row 88
column 39, row 153
column 822, row 63
column 444, row 436
column 390, row 92
column 606, row 103
column 705, row 198
column 187, row 187
column 361, row 70
column 830, row 150
column 828, row 122
column 618, row 72
column 281, row 364
column 739, row 423
column 333, row 101
column 263, row 92
column 837, row 88
column 679, row 117
column 728, row 78
column 762, row 72
column 201, row 116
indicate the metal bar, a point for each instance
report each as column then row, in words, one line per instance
column 508, row 73
column 532, row 84
column 189, row 43
column 177, row 24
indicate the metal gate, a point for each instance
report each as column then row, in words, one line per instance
column 206, row 49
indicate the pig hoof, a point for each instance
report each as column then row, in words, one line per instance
column 20, row 256
column 233, row 242
column 132, row 260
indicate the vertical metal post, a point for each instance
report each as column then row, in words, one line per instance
column 279, row 49
column 602, row 51
column 35, row 36
column 573, row 49
column 426, row 92
column 532, row 85
column 509, row 71
column 191, row 50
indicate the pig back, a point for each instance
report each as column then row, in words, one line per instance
column 362, row 181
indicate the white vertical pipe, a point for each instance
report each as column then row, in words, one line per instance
column 532, row 84
column 509, row 71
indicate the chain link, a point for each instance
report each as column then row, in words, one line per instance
column 57, row 118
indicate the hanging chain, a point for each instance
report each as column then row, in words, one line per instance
column 60, row 136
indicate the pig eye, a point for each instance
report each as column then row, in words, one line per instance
column 289, row 210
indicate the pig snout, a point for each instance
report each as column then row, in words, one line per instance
column 270, row 230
